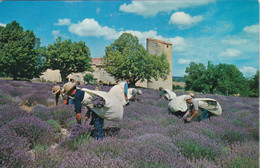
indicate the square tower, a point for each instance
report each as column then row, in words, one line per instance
column 158, row 47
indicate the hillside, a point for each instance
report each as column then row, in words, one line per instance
column 35, row 133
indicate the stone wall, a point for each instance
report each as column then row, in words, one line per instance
column 158, row 47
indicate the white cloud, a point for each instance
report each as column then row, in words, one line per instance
column 151, row 8
column 56, row 33
column 183, row 61
column 2, row 24
column 178, row 43
column 254, row 29
column 230, row 52
column 62, row 22
column 234, row 41
column 183, row 20
column 248, row 71
column 90, row 27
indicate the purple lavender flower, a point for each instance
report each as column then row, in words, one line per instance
column 33, row 129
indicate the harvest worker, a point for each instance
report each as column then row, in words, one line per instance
column 126, row 81
column 99, row 86
column 132, row 92
column 101, row 104
column 192, row 110
column 167, row 94
column 57, row 91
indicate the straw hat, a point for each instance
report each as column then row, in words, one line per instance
column 55, row 89
column 139, row 92
column 192, row 95
column 68, row 87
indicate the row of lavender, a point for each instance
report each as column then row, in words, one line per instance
column 148, row 136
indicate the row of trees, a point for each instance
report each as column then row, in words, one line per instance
column 22, row 57
column 221, row 79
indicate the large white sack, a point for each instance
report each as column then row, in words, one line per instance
column 170, row 94
column 118, row 91
column 113, row 108
column 211, row 105
column 179, row 104
column 129, row 94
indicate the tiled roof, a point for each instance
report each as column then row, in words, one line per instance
column 97, row 61
column 160, row 41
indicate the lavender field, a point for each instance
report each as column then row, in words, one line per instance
column 36, row 133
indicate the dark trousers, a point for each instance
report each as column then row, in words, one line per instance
column 98, row 124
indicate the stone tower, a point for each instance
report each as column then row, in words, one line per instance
column 158, row 47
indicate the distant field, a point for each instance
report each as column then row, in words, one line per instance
column 181, row 84
column 178, row 79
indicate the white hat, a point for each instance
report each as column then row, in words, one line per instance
column 139, row 92
column 68, row 87
column 187, row 97
column 55, row 89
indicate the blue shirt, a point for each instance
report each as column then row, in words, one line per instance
column 125, row 87
column 163, row 92
column 78, row 97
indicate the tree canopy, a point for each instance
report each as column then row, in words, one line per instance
column 68, row 57
column 222, row 78
column 19, row 56
column 126, row 57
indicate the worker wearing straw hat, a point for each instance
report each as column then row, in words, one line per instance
column 101, row 104
column 57, row 91
column 193, row 108
column 132, row 92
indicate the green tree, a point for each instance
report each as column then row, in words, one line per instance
column 126, row 57
column 68, row 57
column 222, row 78
column 253, row 85
column 89, row 78
column 19, row 56
column 195, row 78
column 229, row 79
column 210, row 80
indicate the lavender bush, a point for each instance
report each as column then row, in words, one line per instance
column 14, row 150
column 58, row 113
column 33, row 129
column 10, row 112
column 241, row 155
column 79, row 135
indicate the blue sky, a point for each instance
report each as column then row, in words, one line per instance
column 200, row 30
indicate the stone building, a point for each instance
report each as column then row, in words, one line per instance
column 158, row 47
